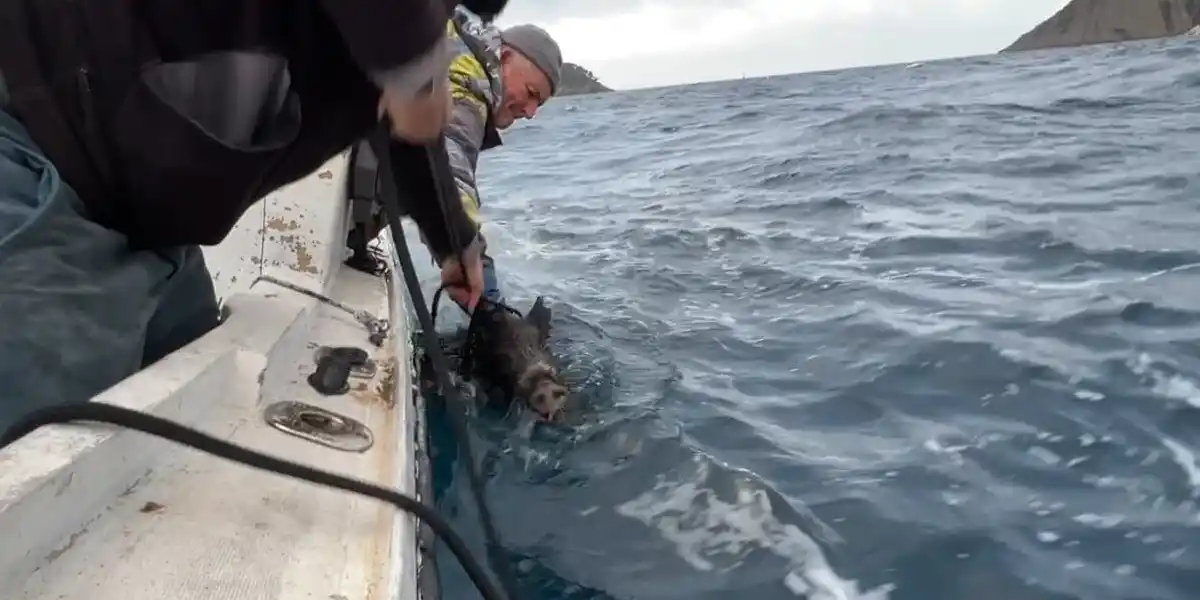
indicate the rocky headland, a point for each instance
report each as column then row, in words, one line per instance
column 577, row 80
column 1083, row 22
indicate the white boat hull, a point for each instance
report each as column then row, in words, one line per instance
column 95, row 513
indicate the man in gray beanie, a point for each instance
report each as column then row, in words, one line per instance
column 496, row 78
column 525, row 46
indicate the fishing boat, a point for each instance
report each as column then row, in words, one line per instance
column 96, row 512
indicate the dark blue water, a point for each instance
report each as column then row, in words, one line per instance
column 911, row 333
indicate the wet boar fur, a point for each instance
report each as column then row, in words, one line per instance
column 512, row 354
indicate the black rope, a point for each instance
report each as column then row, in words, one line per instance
column 484, row 308
column 442, row 177
column 437, row 297
column 169, row 430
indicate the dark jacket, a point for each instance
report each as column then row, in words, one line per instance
column 171, row 117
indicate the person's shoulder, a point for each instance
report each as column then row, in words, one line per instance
column 475, row 69
column 485, row 33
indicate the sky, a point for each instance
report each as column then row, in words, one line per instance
column 647, row 43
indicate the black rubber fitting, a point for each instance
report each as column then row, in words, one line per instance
column 332, row 377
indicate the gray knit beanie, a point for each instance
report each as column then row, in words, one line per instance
column 535, row 44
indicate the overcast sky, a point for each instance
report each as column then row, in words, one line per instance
column 644, row 43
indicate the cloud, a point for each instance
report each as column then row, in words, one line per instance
column 639, row 43
column 648, row 28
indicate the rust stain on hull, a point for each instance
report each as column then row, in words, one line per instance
column 303, row 259
column 280, row 224
column 378, row 397
column 382, row 390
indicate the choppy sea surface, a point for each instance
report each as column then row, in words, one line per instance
column 915, row 332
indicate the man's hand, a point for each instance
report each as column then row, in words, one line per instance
column 421, row 118
column 463, row 276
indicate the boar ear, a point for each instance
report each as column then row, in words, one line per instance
column 539, row 317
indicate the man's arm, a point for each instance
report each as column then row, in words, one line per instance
column 471, row 92
column 400, row 44
column 425, row 190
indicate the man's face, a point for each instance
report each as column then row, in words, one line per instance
column 525, row 88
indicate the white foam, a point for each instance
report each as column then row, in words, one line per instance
column 705, row 528
column 1101, row 521
column 1045, row 455
column 1175, row 387
column 1186, row 459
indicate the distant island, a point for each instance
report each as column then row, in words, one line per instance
column 1083, row 22
column 577, row 80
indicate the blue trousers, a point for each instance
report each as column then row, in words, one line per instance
column 79, row 310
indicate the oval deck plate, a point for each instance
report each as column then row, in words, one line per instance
column 319, row 426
